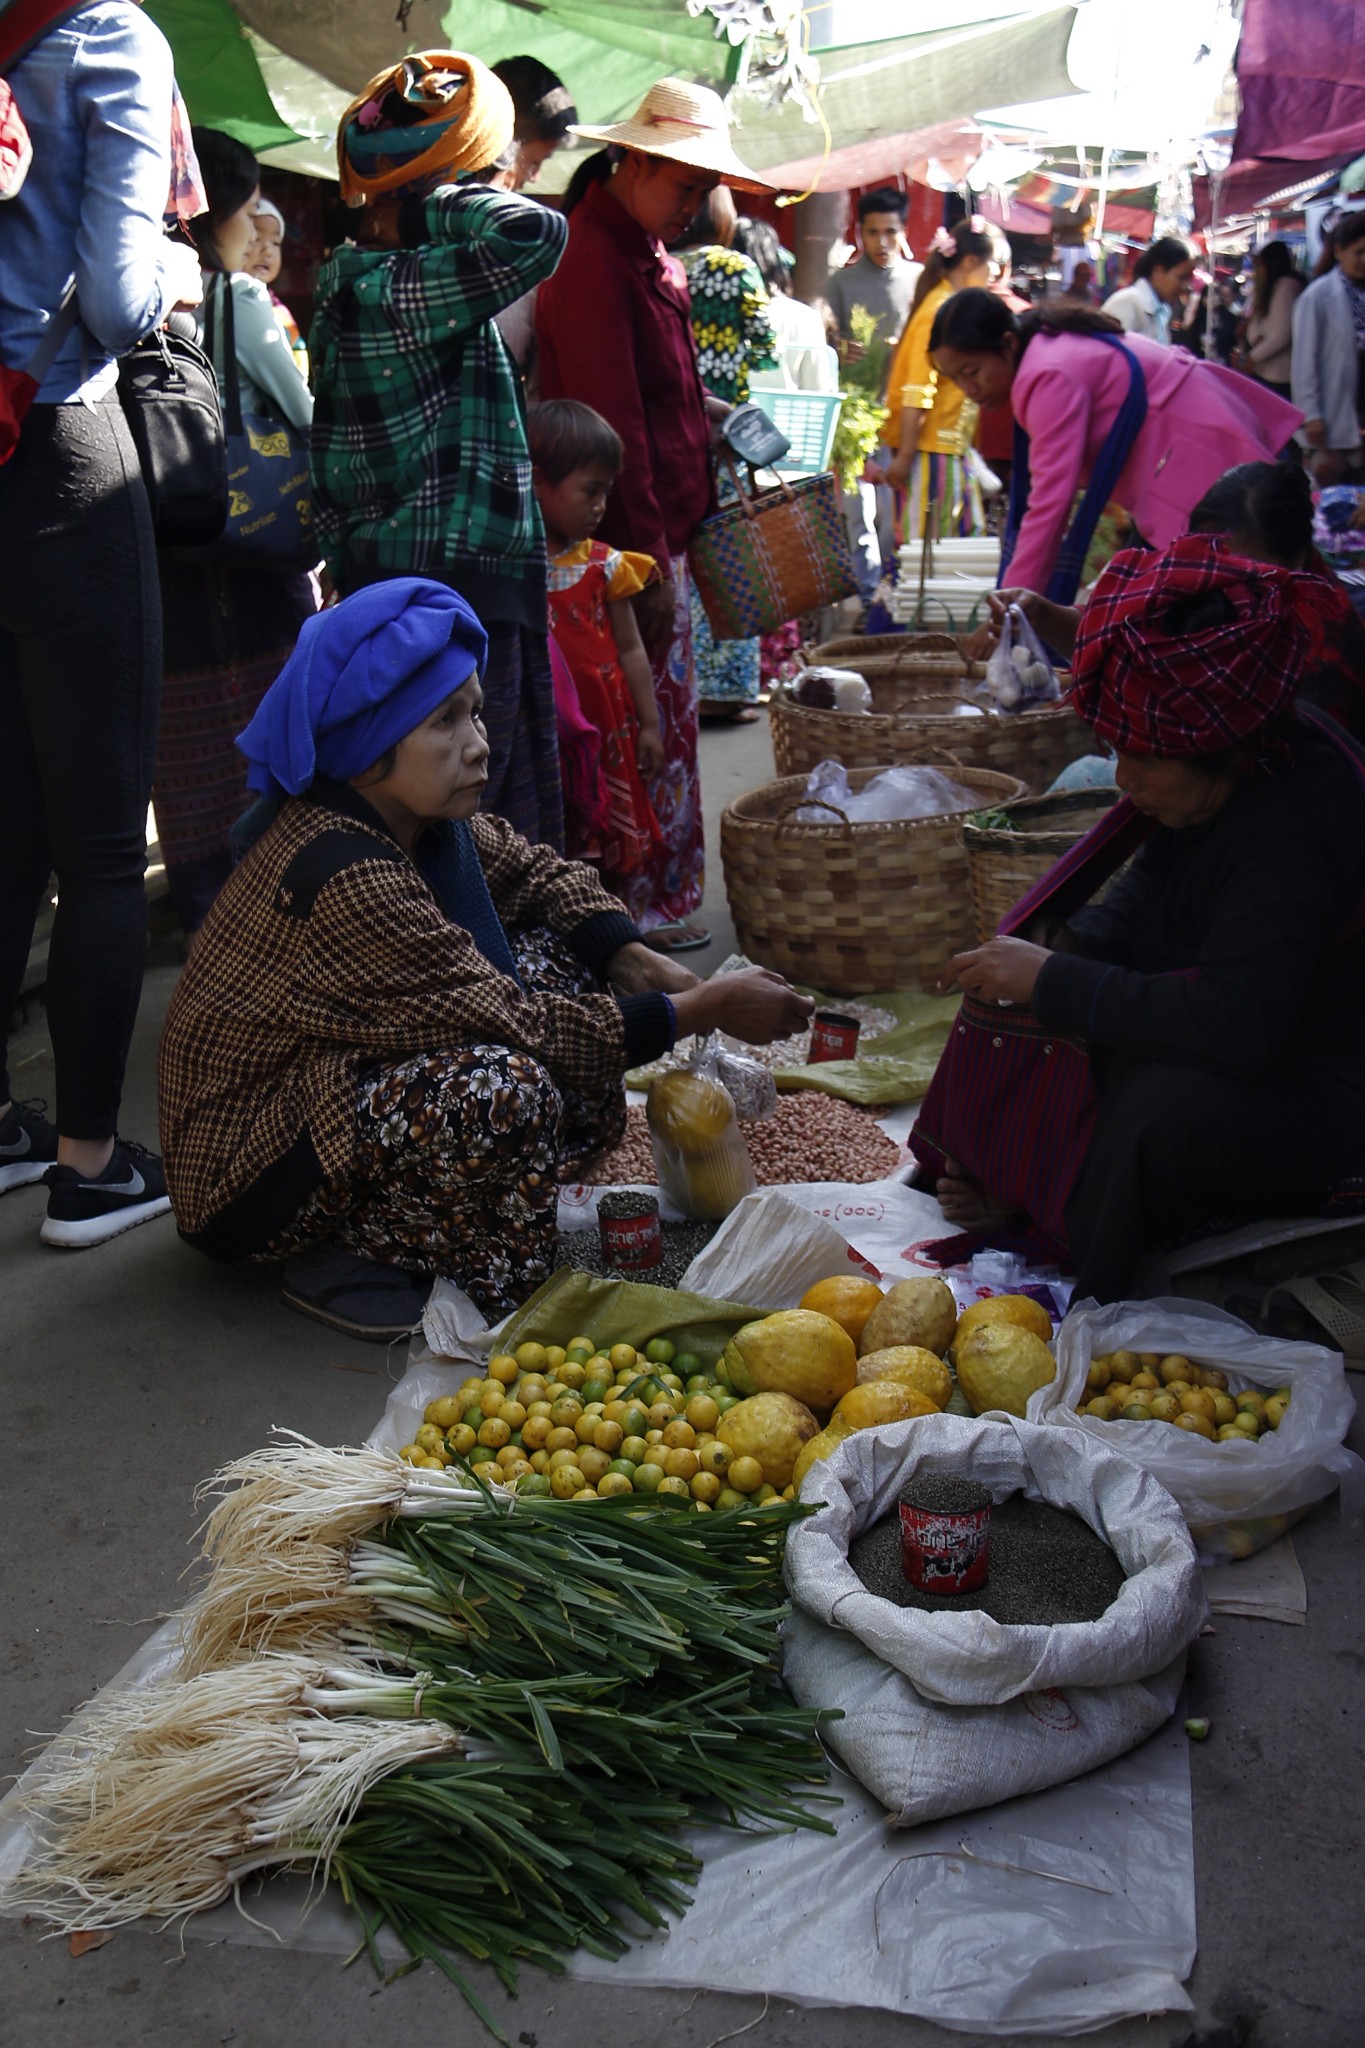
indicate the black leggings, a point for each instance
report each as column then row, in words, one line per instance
column 80, row 680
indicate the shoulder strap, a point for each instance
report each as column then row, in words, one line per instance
column 1118, row 446
column 1071, row 882
column 220, row 284
column 58, row 327
column 315, row 864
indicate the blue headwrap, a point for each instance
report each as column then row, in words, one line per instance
column 363, row 675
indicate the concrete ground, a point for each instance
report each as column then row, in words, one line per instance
column 132, row 1371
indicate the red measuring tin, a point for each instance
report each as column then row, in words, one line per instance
column 632, row 1237
column 832, row 1037
column 946, row 1550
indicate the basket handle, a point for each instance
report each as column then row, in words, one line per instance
column 748, row 500
column 799, row 803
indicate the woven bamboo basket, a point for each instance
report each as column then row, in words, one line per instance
column 920, row 684
column 849, row 907
column 1005, row 862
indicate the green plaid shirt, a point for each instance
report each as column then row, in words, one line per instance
column 419, row 457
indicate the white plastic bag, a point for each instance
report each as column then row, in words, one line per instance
column 1019, row 672
column 832, row 689
column 895, row 794
column 944, row 1712
column 1234, row 1496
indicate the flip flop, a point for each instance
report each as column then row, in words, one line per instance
column 1336, row 1301
column 357, row 1296
column 691, row 939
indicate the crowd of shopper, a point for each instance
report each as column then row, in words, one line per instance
column 478, row 649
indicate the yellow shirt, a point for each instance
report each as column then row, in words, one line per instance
column 914, row 385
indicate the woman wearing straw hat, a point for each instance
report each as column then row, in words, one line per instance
column 614, row 325
column 419, row 457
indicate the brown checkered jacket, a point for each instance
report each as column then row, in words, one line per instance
column 327, row 949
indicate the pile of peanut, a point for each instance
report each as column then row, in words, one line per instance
column 809, row 1137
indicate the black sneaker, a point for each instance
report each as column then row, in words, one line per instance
column 28, row 1145
column 359, row 1297
column 80, row 1212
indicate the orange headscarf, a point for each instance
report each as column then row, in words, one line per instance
column 436, row 112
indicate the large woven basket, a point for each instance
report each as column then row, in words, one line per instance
column 849, row 907
column 919, row 684
column 1004, row 861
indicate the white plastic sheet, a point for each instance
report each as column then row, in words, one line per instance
column 1223, row 1484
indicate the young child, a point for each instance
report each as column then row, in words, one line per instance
column 576, row 457
column 263, row 260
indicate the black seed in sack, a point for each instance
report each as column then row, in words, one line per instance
column 581, row 1251
column 1046, row 1566
column 943, row 1493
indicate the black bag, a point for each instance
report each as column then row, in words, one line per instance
column 169, row 396
column 270, row 503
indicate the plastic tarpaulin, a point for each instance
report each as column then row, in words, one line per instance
column 1301, row 73
column 218, row 72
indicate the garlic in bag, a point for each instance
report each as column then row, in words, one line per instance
column 1019, row 673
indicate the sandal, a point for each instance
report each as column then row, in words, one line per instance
column 725, row 714
column 677, row 938
column 356, row 1296
column 1337, row 1302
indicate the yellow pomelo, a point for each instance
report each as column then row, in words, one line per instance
column 999, row 1365
column 771, row 1428
column 819, row 1447
column 882, row 1401
column 1020, row 1309
column 847, row 1297
column 921, row 1312
column 690, row 1110
column 795, row 1352
column 911, row 1366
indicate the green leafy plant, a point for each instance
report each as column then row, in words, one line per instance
column 863, row 378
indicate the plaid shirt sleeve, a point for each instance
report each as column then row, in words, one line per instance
column 486, row 250
column 533, row 885
column 425, row 983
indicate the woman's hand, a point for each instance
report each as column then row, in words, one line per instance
column 897, row 471
column 1056, row 624
column 754, row 1006
column 184, row 280
column 649, row 751
column 637, row 970
column 1001, row 971
column 655, row 607
column 1315, row 433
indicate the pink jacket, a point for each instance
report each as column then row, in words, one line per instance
column 1201, row 420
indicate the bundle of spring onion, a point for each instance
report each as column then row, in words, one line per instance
column 489, row 1717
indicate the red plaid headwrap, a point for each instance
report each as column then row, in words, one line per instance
column 1149, row 690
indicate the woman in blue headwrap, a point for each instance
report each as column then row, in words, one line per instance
column 403, row 1024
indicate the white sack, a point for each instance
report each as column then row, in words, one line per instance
column 967, row 1659
column 1217, row 1484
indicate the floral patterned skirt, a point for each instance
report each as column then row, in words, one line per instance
column 459, row 1153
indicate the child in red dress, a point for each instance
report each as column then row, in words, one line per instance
column 576, row 457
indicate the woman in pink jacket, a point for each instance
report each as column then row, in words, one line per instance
column 1098, row 410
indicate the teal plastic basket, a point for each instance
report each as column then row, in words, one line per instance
column 809, row 420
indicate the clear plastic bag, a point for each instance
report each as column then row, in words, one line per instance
column 897, row 793
column 1019, row 672
column 700, row 1156
column 747, row 1082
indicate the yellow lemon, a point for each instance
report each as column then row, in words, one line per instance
column 911, row 1366
column 847, row 1298
column 882, row 1401
column 1022, row 1311
column 770, row 1428
column 921, row 1312
column 796, row 1352
column 999, row 1364
column 819, row 1448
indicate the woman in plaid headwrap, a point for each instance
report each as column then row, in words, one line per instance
column 1220, row 984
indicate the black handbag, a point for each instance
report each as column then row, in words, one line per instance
column 169, row 396
column 270, row 502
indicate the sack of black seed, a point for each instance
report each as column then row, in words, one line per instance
column 952, row 1702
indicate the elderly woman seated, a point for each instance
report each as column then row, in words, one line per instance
column 1219, row 987
column 403, row 1024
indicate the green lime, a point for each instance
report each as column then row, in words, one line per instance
column 536, row 1484
column 482, row 1454
column 728, row 1498
column 659, row 1351
column 686, row 1362
column 646, row 1478
column 474, row 1416
column 635, row 1421
column 724, row 1401
column 625, row 1466
column 698, row 1384
column 594, row 1390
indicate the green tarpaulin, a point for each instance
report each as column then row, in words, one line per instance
column 218, row 72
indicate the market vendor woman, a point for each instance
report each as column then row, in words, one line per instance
column 1220, row 984
column 403, row 1023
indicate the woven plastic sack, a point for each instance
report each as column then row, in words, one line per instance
column 1234, row 1496
column 946, row 1712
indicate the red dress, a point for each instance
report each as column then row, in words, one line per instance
column 583, row 581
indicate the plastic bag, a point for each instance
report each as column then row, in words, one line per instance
column 896, row 793
column 1234, row 1496
column 747, row 1082
column 943, row 1712
column 699, row 1151
column 832, row 689
column 1019, row 672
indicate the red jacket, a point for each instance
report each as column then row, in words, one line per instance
column 614, row 325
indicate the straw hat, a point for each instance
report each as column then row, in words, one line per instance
column 687, row 124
